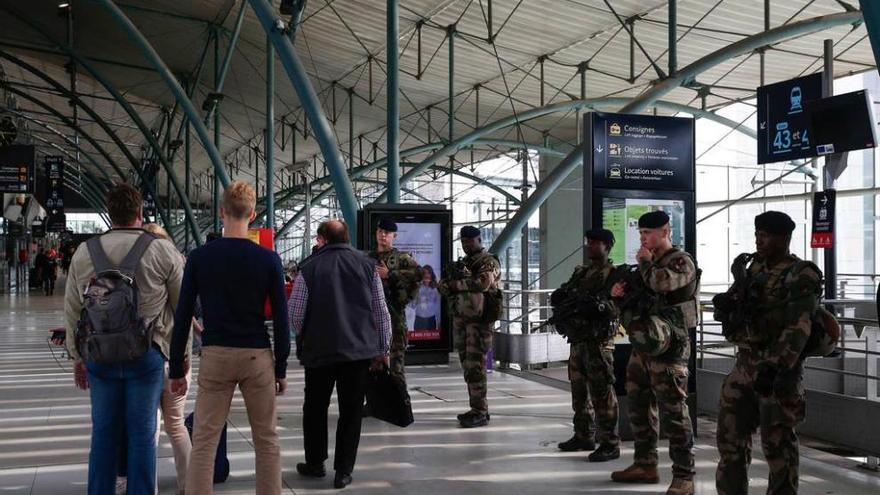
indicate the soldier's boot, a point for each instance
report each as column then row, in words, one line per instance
column 604, row 453
column 576, row 443
column 637, row 474
column 470, row 412
column 474, row 420
column 681, row 486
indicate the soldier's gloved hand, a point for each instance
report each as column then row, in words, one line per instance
column 764, row 379
column 443, row 287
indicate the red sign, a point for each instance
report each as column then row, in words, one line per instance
column 822, row 240
column 424, row 334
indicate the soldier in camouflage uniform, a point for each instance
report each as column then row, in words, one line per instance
column 471, row 286
column 400, row 276
column 657, row 373
column 764, row 388
column 591, row 359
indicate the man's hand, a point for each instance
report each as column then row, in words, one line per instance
column 618, row 290
column 280, row 386
column 179, row 386
column 644, row 254
column 383, row 271
column 380, row 362
column 80, row 375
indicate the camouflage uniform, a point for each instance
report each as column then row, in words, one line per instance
column 765, row 386
column 657, row 373
column 472, row 329
column 401, row 286
column 591, row 366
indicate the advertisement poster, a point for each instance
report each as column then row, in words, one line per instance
column 621, row 217
column 423, row 314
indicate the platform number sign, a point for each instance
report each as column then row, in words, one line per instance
column 783, row 126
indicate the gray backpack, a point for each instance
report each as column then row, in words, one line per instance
column 110, row 328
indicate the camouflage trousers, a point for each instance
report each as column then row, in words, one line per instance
column 593, row 399
column 742, row 411
column 473, row 341
column 399, row 339
column 654, row 386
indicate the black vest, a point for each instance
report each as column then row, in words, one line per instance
column 339, row 323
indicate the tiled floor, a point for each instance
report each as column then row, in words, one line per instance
column 44, row 434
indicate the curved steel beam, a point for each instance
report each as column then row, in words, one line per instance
column 66, row 139
column 356, row 173
column 98, row 76
column 186, row 104
column 545, row 188
column 463, row 141
column 312, row 107
column 84, row 172
column 741, row 47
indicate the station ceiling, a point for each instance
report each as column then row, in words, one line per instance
column 341, row 42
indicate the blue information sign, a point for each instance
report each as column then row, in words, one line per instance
column 641, row 151
column 783, row 126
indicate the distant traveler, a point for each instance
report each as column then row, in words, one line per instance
column 232, row 277
column 49, row 273
column 125, row 385
column 342, row 325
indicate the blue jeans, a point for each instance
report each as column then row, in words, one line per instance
column 125, row 398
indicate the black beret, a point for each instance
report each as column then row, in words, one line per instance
column 774, row 222
column 469, row 232
column 603, row 235
column 387, row 224
column 653, row 220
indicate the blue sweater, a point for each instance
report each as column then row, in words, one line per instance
column 232, row 277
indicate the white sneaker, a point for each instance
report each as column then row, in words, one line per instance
column 121, row 485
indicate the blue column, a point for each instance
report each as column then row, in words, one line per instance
column 393, row 117
column 274, row 27
column 270, row 135
column 871, row 14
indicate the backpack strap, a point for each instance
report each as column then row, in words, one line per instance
column 129, row 264
column 98, row 256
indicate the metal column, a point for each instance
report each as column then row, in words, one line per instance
column 829, row 181
column 215, row 193
column 393, row 113
column 451, row 34
column 186, row 175
column 673, row 37
column 524, row 246
column 270, row 135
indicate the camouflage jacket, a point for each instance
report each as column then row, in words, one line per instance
column 467, row 290
column 674, row 277
column 404, row 277
column 587, row 280
column 786, row 297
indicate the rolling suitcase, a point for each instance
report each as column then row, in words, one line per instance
column 221, row 460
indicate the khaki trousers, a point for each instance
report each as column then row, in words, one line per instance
column 253, row 371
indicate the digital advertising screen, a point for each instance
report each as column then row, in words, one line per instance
column 621, row 217
column 425, row 232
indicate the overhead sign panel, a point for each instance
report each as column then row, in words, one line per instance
column 17, row 169
column 783, row 125
column 642, row 152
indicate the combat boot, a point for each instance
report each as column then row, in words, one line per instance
column 681, row 486
column 469, row 413
column 474, row 420
column 604, row 453
column 637, row 474
column 576, row 443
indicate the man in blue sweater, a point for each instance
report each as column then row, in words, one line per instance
column 232, row 277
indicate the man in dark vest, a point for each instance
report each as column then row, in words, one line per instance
column 342, row 327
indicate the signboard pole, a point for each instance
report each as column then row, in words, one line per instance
column 588, row 175
column 830, row 271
